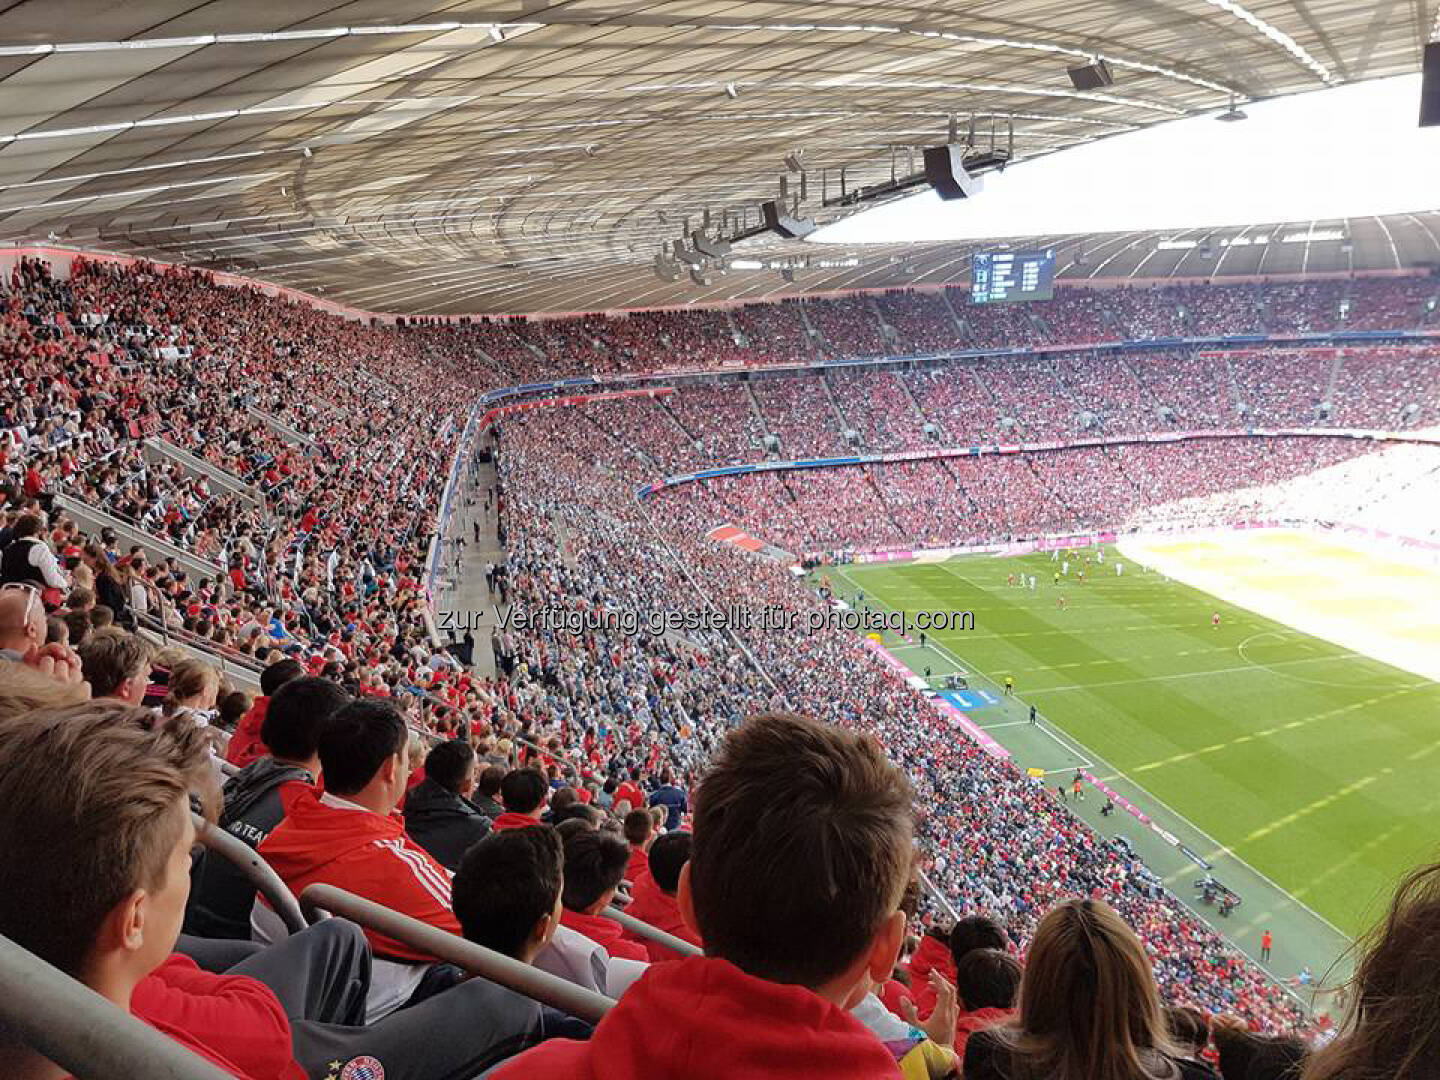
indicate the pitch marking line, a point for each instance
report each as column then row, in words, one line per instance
column 1194, row 674
column 1150, row 797
column 1303, row 678
column 1267, row 732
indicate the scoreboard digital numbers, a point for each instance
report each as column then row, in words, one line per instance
column 1004, row 276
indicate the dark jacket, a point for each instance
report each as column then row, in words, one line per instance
column 443, row 823
column 111, row 593
column 487, row 806
column 220, row 895
column 673, row 800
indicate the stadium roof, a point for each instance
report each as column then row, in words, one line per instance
column 431, row 157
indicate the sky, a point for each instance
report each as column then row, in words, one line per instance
column 1351, row 151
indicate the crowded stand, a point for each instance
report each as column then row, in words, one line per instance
column 603, row 765
column 1302, row 307
column 1028, row 393
column 776, row 331
column 720, row 422
column 1386, row 387
column 326, row 561
column 1195, row 388
column 689, row 338
column 953, row 398
column 799, row 411
column 878, row 406
column 849, row 326
column 1000, row 326
column 1087, row 319
column 977, row 500
column 1284, row 386
column 922, row 321
column 1395, row 491
column 1107, row 387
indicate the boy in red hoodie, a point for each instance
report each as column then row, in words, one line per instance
column 594, row 864
column 802, row 849
column 987, row 982
column 524, row 793
column 940, row 951
column 640, row 833
column 351, row 838
column 655, row 901
column 246, row 744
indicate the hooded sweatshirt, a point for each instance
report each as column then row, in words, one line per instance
column 969, row 1023
column 661, row 911
column 443, row 823
column 235, row 1017
column 512, row 820
column 638, row 868
column 932, row 955
column 245, row 745
column 220, row 895
column 606, row 933
column 702, row 1018
column 364, row 853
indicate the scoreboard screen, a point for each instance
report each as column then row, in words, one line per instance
column 999, row 276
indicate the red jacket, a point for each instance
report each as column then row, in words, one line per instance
column 604, row 932
column 892, row 993
column 509, row 820
column 225, row 1018
column 704, row 1019
column 638, row 868
column 362, row 852
column 629, row 792
column 662, row 912
column 245, row 745
column 932, row 955
column 969, row 1023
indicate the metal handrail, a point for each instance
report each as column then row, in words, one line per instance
column 652, row 933
column 82, row 1032
column 452, row 949
column 256, row 870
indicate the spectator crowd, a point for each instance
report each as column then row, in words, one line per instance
column 246, row 477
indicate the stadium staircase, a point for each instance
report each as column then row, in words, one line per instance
column 813, row 338
column 888, row 333
column 848, row 432
column 160, row 451
column 736, row 334
column 756, row 411
column 960, row 327
column 674, row 420
column 92, row 520
column 909, row 393
column 284, row 430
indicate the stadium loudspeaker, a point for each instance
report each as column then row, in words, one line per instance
column 715, row 249
column 685, row 255
column 945, row 170
column 782, row 224
column 1430, row 87
column 1090, row 76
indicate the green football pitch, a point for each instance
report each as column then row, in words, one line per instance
column 1303, row 770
